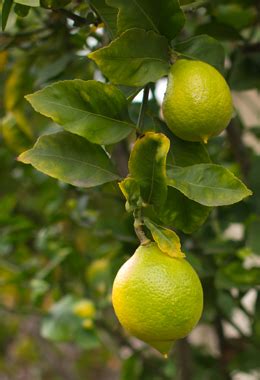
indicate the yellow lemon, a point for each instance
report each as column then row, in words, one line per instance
column 157, row 298
column 197, row 103
column 84, row 309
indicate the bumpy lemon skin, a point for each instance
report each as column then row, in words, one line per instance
column 156, row 297
column 198, row 102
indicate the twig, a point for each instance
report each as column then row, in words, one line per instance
column 238, row 148
column 78, row 20
column 222, row 348
column 138, row 226
column 184, row 360
column 140, row 121
column 193, row 6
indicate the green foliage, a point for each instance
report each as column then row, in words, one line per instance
column 135, row 58
column 166, row 18
column 61, row 243
column 208, row 184
column 71, row 159
column 89, row 109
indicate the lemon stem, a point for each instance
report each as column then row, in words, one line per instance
column 140, row 121
column 138, row 226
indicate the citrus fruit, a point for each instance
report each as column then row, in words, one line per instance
column 157, row 298
column 197, row 103
column 84, row 309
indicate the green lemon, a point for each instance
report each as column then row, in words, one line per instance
column 157, row 298
column 197, row 103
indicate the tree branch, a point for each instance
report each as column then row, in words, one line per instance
column 193, row 6
column 238, row 148
column 140, row 121
column 78, row 20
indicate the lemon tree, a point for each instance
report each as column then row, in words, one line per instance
column 128, row 214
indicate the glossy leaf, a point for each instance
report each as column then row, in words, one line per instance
column 203, row 48
column 6, row 8
column 183, row 213
column 167, row 240
column 108, row 15
column 208, row 184
column 182, row 153
column 165, row 18
column 71, row 159
column 134, row 59
column 147, row 165
column 91, row 109
column 29, row 3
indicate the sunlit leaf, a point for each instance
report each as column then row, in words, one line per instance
column 70, row 158
column 135, row 58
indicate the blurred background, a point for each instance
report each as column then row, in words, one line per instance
column 61, row 246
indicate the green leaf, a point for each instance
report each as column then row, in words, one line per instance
column 253, row 236
column 6, row 8
column 235, row 275
column 21, row 10
column 135, row 58
column 244, row 71
column 147, row 165
column 203, row 48
column 71, row 159
column 167, row 240
column 61, row 325
column 208, row 184
column 108, row 15
column 91, row 109
column 235, row 15
column 182, row 213
column 131, row 190
column 165, row 18
column 29, row 3
column 182, row 153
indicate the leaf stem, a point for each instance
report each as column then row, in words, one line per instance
column 138, row 226
column 193, row 6
column 140, row 121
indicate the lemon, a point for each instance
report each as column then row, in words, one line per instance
column 84, row 309
column 197, row 103
column 157, row 298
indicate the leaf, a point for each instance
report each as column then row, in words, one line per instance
column 235, row 275
column 71, row 159
column 61, row 325
column 108, row 15
column 91, row 109
column 6, row 8
column 29, row 3
column 182, row 153
column 165, row 18
column 131, row 190
column 253, row 236
column 147, row 165
column 167, row 240
column 244, row 71
column 235, row 15
column 208, row 184
column 135, row 58
column 182, row 213
column 203, row 48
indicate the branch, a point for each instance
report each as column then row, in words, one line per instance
column 184, row 360
column 140, row 121
column 78, row 20
column 238, row 148
column 193, row 6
